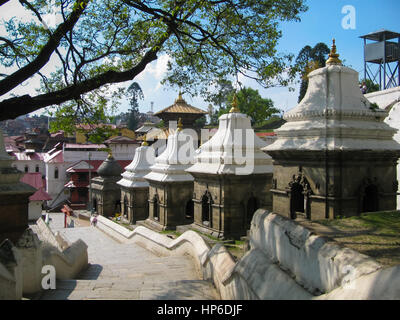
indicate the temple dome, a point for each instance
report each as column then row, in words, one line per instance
column 334, row 115
column 229, row 150
column 138, row 168
column 171, row 164
column 109, row 168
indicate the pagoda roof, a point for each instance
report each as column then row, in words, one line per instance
column 181, row 106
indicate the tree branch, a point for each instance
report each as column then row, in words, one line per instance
column 43, row 57
column 14, row 107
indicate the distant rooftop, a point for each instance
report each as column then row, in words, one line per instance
column 381, row 34
column 120, row 140
column 84, row 146
column 180, row 106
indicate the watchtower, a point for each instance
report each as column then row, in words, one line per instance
column 382, row 58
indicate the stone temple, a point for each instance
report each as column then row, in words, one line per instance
column 14, row 198
column 335, row 156
column 134, row 188
column 106, row 194
column 171, row 188
column 232, row 178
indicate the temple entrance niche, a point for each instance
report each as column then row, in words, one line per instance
column 94, row 204
column 125, row 213
column 189, row 214
column 206, row 209
column 370, row 198
column 156, row 208
column 117, row 206
column 251, row 208
column 296, row 200
column 300, row 192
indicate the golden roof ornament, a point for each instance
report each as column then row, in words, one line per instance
column 180, row 125
column 145, row 143
column 109, row 154
column 180, row 98
column 333, row 56
column 234, row 108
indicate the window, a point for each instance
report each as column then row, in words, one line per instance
column 56, row 173
column 26, row 168
column 37, row 168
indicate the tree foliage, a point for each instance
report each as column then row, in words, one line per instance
column 310, row 59
column 251, row 103
column 135, row 93
column 371, row 86
column 102, row 42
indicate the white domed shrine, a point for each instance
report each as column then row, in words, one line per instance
column 335, row 156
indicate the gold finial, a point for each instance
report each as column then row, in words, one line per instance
column 180, row 98
column 145, row 143
column 109, row 154
column 180, row 125
column 234, row 108
column 333, row 56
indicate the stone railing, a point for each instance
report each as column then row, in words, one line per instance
column 68, row 259
column 286, row 261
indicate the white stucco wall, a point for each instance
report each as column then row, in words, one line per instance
column 31, row 164
column 390, row 101
column 34, row 210
column 55, row 186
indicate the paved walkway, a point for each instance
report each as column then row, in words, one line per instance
column 128, row 271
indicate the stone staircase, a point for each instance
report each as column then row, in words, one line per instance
column 128, row 271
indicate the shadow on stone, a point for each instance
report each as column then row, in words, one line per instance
column 91, row 273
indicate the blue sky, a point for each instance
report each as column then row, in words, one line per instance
column 321, row 23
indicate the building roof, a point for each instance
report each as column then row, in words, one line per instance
column 40, row 195
column 95, row 126
column 82, row 165
column 84, row 146
column 54, row 156
column 121, row 140
column 379, row 34
column 29, row 156
column 265, row 134
column 35, row 180
column 146, row 127
column 180, row 106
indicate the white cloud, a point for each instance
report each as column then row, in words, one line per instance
column 156, row 70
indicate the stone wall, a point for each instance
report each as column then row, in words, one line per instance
column 10, row 272
column 173, row 198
